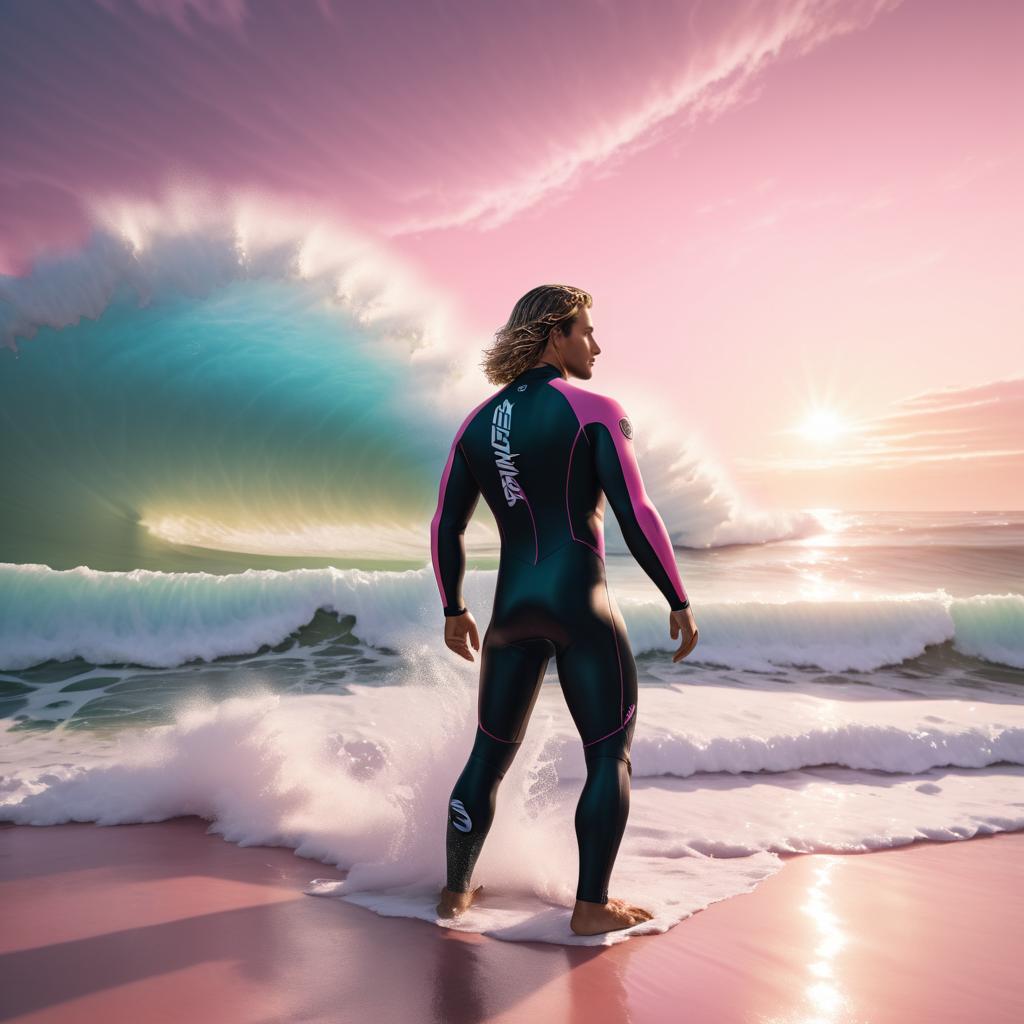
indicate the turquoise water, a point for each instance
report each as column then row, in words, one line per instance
column 248, row 417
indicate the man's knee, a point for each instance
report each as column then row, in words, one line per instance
column 617, row 745
column 471, row 805
column 614, row 755
column 496, row 753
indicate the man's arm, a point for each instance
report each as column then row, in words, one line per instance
column 457, row 498
column 611, row 439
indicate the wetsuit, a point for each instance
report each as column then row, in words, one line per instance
column 544, row 454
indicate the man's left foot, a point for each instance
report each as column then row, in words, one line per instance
column 454, row 903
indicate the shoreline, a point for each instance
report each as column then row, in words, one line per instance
column 165, row 921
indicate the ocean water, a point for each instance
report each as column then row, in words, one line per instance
column 216, row 599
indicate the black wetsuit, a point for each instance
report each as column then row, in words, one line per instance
column 544, row 453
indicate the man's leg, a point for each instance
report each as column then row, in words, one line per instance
column 600, row 822
column 598, row 677
column 510, row 678
column 471, row 807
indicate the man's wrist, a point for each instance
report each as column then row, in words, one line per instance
column 450, row 613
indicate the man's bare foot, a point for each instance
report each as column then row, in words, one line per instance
column 593, row 918
column 454, row 903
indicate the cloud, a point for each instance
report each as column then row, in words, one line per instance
column 407, row 119
column 756, row 35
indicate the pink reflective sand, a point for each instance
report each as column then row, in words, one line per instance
column 163, row 922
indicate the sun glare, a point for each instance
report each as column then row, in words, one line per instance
column 821, row 425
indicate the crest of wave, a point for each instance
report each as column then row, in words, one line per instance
column 193, row 241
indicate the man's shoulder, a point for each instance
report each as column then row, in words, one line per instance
column 590, row 406
column 480, row 409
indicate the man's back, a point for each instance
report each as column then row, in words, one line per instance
column 544, row 453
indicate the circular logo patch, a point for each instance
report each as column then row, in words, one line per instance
column 627, row 427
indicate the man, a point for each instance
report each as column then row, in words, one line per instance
column 545, row 454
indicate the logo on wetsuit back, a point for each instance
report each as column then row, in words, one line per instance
column 459, row 817
column 501, row 430
column 627, row 427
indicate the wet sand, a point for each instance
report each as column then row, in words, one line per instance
column 163, row 922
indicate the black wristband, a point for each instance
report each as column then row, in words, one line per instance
column 452, row 615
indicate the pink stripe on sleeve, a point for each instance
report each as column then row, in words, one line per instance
column 594, row 408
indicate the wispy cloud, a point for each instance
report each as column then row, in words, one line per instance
column 753, row 39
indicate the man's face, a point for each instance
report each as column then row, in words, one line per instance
column 578, row 349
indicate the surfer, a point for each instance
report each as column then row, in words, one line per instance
column 545, row 454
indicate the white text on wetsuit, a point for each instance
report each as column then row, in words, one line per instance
column 501, row 429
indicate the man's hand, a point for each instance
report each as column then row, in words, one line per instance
column 683, row 620
column 459, row 631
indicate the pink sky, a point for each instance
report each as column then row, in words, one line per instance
column 777, row 206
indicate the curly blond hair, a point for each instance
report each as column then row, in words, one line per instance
column 519, row 343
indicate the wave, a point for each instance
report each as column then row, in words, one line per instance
column 244, row 381
column 361, row 782
column 166, row 619
column 376, row 733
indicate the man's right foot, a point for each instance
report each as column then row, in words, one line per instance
column 594, row 918
column 453, row 904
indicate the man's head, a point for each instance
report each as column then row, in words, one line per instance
column 549, row 324
column 571, row 346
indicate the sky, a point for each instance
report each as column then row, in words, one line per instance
column 802, row 222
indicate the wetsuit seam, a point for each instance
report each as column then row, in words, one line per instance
column 572, row 408
column 491, row 734
column 568, row 474
column 582, row 430
column 554, row 551
column 523, row 641
column 590, row 547
column 615, row 637
column 469, row 465
column 613, row 732
column 536, row 538
column 617, row 728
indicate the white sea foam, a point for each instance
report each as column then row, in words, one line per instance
column 361, row 781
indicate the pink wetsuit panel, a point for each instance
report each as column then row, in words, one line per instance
column 594, row 408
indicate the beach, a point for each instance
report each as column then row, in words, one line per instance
column 166, row 922
column 289, row 413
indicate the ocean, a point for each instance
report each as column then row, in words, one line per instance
column 216, row 599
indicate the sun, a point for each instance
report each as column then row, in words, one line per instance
column 822, row 425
